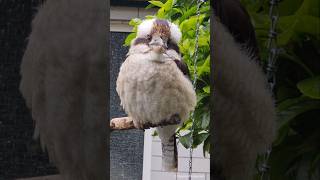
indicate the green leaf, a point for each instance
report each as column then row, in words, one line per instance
column 204, row 9
column 199, row 138
column 129, row 38
column 314, row 8
column 299, row 22
column 305, row 7
column 292, row 57
column 150, row 17
column 156, row 3
column 150, row 6
column 189, row 12
column 310, row 87
column 205, row 68
column 287, row 8
column 175, row 11
column 191, row 23
column 309, row 24
column 291, row 108
column 287, row 25
column 198, row 115
column 168, row 5
column 186, row 44
column 161, row 13
column 178, row 10
column 285, row 92
column 203, row 41
column 186, row 125
column 206, row 146
column 135, row 22
column 281, row 159
column 205, row 120
column 154, row 133
column 186, row 140
column 200, row 97
column 282, row 134
column 206, row 89
column 315, row 162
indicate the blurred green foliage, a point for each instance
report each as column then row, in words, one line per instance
column 296, row 151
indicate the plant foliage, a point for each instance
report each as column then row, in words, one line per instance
column 296, row 151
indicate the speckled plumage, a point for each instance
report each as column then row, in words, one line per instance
column 244, row 111
column 64, row 84
column 151, row 91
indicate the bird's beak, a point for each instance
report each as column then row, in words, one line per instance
column 157, row 41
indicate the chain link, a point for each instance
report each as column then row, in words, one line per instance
column 194, row 82
column 272, row 43
column 273, row 52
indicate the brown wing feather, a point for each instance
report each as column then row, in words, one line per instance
column 232, row 14
column 183, row 67
column 174, row 46
column 180, row 63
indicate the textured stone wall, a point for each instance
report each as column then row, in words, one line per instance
column 126, row 147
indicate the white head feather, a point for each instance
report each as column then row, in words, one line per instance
column 146, row 26
column 175, row 32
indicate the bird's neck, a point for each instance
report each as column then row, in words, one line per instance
column 156, row 56
column 146, row 53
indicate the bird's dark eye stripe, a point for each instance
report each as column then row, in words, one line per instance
column 183, row 67
column 141, row 41
column 174, row 46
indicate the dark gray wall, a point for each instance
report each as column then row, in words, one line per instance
column 20, row 156
column 126, row 147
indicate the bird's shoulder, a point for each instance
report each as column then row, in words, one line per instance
column 183, row 67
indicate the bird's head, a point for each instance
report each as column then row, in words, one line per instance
column 157, row 33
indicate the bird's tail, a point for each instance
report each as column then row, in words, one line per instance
column 170, row 154
column 244, row 111
column 169, row 150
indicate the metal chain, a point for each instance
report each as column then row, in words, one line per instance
column 194, row 82
column 272, row 43
column 271, row 69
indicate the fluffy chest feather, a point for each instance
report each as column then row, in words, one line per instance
column 151, row 91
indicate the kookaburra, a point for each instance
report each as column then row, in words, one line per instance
column 153, row 84
column 244, row 112
column 63, row 80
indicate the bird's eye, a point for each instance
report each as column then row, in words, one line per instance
column 149, row 37
column 164, row 38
